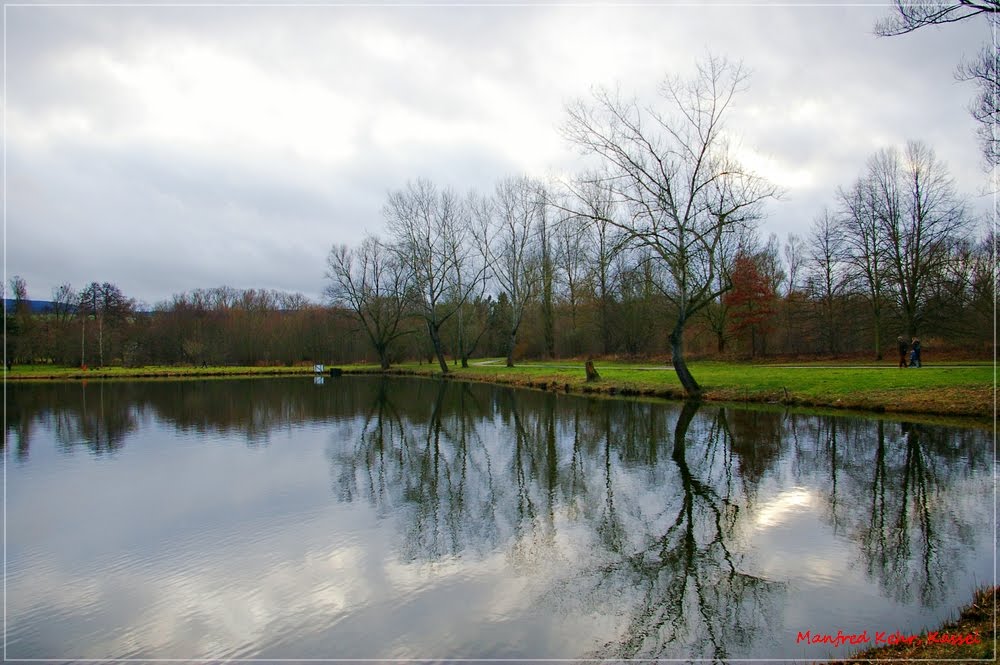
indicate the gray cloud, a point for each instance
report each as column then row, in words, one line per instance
column 170, row 148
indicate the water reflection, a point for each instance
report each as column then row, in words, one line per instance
column 99, row 417
column 628, row 529
column 678, row 567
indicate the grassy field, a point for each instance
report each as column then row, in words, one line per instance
column 52, row 372
column 958, row 389
column 965, row 389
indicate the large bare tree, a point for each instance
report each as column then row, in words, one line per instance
column 470, row 280
column 865, row 251
column 921, row 215
column 674, row 173
column 371, row 282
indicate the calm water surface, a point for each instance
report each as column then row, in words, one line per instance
column 392, row 518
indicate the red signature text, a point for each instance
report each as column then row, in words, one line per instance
column 881, row 638
column 837, row 640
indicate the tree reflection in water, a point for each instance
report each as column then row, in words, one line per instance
column 889, row 489
column 626, row 517
column 689, row 595
column 641, row 514
column 98, row 417
column 434, row 464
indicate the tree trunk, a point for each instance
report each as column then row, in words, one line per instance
column 549, row 325
column 510, row 348
column 436, row 342
column 605, row 327
column 680, row 432
column 878, row 332
column 690, row 386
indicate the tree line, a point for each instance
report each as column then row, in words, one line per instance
column 566, row 287
column 656, row 250
column 653, row 250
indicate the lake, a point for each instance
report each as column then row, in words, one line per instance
column 371, row 517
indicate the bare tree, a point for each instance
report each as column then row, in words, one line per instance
column 470, row 256
column 19, row 291
column 983, row 280
column 910, row 15
column 64, row 301
column 768, row 259
column 17, row 323
column 794, row 252
column 426, row 226
column 984, row 71
column 674, row 174
column 509, row 221
column 921, row 215
column 865, row 249
column 592, row 201
column 106, row 303
column 371, row 281
column 826, row 275
column 717, row 314
column 547, row 261
column 794, row 305
column 571, row 259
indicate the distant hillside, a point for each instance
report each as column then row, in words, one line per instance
column 34, row 306
column 46, row 306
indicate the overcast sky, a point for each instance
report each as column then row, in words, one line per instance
column 167, row 148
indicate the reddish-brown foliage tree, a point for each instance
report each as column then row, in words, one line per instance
column 752, row 302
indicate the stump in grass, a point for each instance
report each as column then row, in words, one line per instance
column 592, row 374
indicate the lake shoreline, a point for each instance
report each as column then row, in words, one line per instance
column 969, row 639
column 802, row 385
column 975, row 405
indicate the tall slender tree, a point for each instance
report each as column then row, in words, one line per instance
column 826, row 275
column 509, row 220
column 865, row 250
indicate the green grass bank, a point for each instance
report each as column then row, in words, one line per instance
column 964, row 389
column 960, row 389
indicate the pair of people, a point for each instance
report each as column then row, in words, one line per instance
column 914, row 352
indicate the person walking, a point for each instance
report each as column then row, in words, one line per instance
column 903, row 349
column 915, row 353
